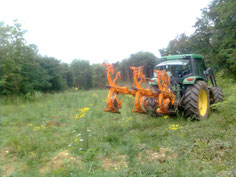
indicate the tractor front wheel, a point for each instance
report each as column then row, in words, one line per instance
column 196, row 101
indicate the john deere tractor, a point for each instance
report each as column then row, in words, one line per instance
column 180, row 82
column 189, row 78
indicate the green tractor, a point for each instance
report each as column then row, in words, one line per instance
column 189, row 82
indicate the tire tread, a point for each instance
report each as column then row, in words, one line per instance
column 191, row 97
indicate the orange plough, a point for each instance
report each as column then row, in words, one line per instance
column 166, row 96
column 163, row 97
column 141, row 93
column 113, row 104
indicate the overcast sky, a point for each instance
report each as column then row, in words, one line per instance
column 99, row 30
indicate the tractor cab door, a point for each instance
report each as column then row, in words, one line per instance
column 199, row 67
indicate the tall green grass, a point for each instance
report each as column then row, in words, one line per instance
column 44, row 137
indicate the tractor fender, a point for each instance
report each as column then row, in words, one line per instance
column 192, row 80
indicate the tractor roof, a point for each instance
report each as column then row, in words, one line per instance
column 173, row 62
column 183, row 56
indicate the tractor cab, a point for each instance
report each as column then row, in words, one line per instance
column 183, row 69
column 175, row 68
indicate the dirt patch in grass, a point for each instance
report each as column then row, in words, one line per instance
column 226, row 173
column 52, row 123
column 117, row 164
column 6, row 163
column 148, row 155
column 62, row 159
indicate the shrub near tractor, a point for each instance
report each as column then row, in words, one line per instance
column 179, row 83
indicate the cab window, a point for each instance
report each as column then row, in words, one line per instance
column 199, row 66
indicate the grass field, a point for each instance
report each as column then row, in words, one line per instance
column 69, row 134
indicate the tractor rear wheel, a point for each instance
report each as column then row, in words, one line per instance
column 196, row 101
column 216, row 95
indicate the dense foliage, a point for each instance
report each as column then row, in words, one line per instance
column 214, row 37
column 145, row 59
column 24, row 71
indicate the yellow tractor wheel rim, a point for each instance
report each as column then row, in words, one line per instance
column 202, row 102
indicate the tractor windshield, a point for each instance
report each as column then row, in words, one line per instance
column 175, row 68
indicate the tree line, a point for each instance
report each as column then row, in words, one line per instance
column 25, row 71
column 214, row 37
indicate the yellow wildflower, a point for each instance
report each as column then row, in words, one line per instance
column 30, row 125
column 165, row 117
column 32, row 154
column 81, row 116
column 42, row 126
column 75, row 140
column 174, row 127
column 76, row 88
column 36, row 128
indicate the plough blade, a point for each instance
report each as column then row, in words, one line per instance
column 113, row 105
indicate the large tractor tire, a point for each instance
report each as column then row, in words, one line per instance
column 196, row 101
column 216, row 95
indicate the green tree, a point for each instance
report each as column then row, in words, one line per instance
column 214, row 37
column 67, row 75
column 182, row 44
column 81, row 74
column 222, row 13
column 99, row 77
column 19, row 68
column 147, row 59
column 53, row 68
column 23, row 70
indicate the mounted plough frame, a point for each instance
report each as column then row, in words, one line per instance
column 145, row 99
